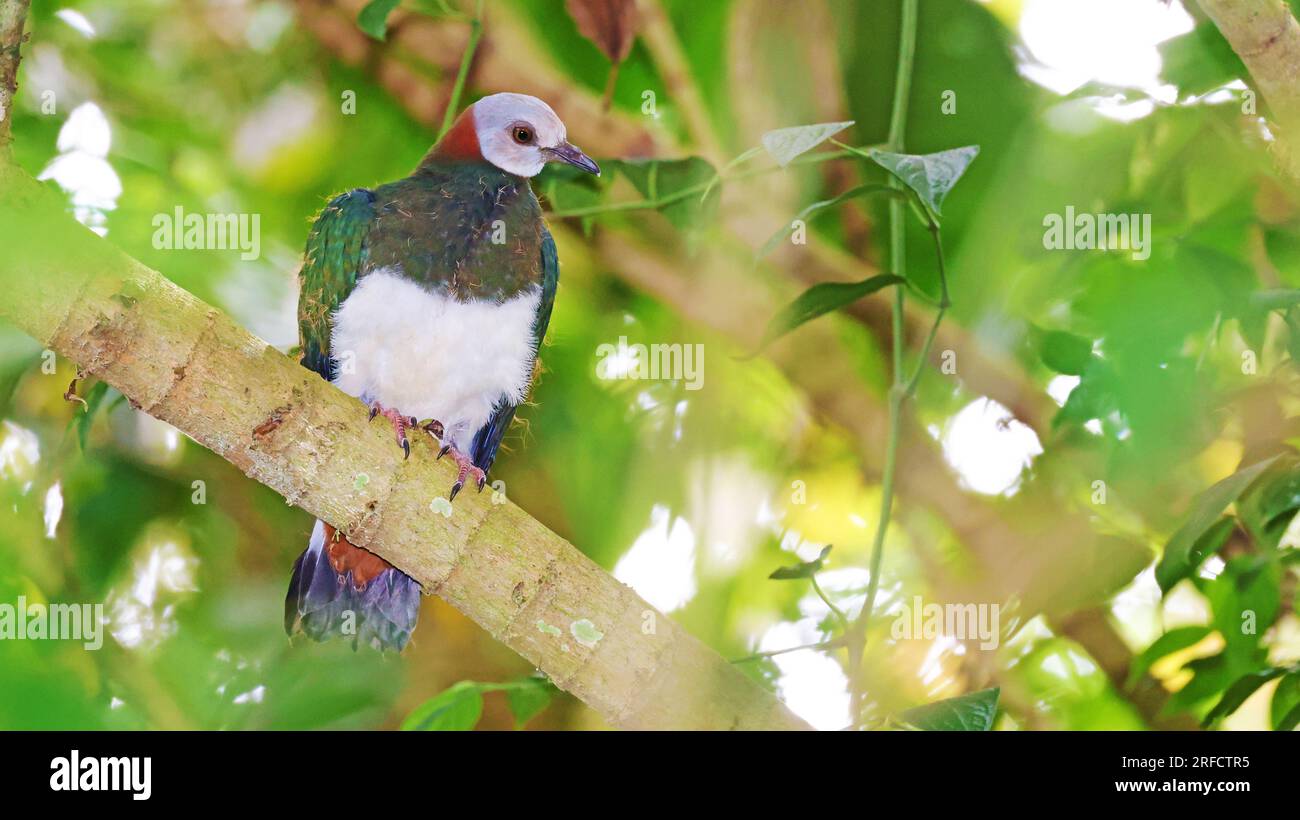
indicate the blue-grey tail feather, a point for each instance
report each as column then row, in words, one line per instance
column 324, row 604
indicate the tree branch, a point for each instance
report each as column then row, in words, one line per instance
column 1267, row 39
column 190, row 365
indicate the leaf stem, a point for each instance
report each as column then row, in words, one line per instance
column 856, row 635
column 453, row 104
column 839, row 613
column 653, row 203
column 758, row 656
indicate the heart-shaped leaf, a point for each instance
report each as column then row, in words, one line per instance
column 784, row 144
column 527, row 698
column 821, row 299
column 1182, row 555
column 805, row 569
column 973, row 712
column 931, row 176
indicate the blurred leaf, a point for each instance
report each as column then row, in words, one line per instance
column 1181, row 555
column 1210, row 677
column 973, row 712
column 816, row 207
column 1064, row 352
column 1275, row 299
column 1269, row 505
column 1284, row 710
column 610, row 24
column 1199, row 61
column 528, row 698
column 1292, row 318
column 1237, row 694
column 784, row 144
column 1092, row 398
column 1167, row 644
column 932, row 176
column 1245, row 600
column 457, row 709
column 822, row 299
column 373, row 19
column 806, row 569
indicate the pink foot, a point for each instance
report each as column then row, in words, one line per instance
column 400, row 424
column 467, row 470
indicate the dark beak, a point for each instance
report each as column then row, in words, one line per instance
column 567, row 152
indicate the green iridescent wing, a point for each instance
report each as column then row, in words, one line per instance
column 488, row 439
column 336, row 255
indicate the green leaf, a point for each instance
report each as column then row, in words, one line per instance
column 1268, row 507
column 373, row 19
column 528, row 698
column 1167, row 644
column 1094, row 397
column 1064, row 352
column 821, row 299
column 1199, row 61
column 806, row 569
column 817, row 207
column 784, row 144
column 931, row 176
column 1210, row 677
column 457, row 709
column 1284, row 710
column 1239, row 691
column 973, row 712
column 1290, row 720
column 1245, row 600
column 1184, row 552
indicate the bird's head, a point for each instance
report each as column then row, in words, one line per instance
column 515, row 132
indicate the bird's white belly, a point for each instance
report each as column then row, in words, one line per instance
column 430, row 356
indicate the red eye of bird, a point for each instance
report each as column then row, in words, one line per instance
column 523, row 135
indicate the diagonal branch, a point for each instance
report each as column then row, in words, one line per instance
column 190, row 365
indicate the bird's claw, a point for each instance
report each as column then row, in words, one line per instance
column 400, row 425
column 465, row 469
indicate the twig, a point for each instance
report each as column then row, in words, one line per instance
column 700, row 188
column 453, row 103
column 899, row 391
column 758, row 656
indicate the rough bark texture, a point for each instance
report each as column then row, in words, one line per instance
column 193, row 367
column 1267, row 39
